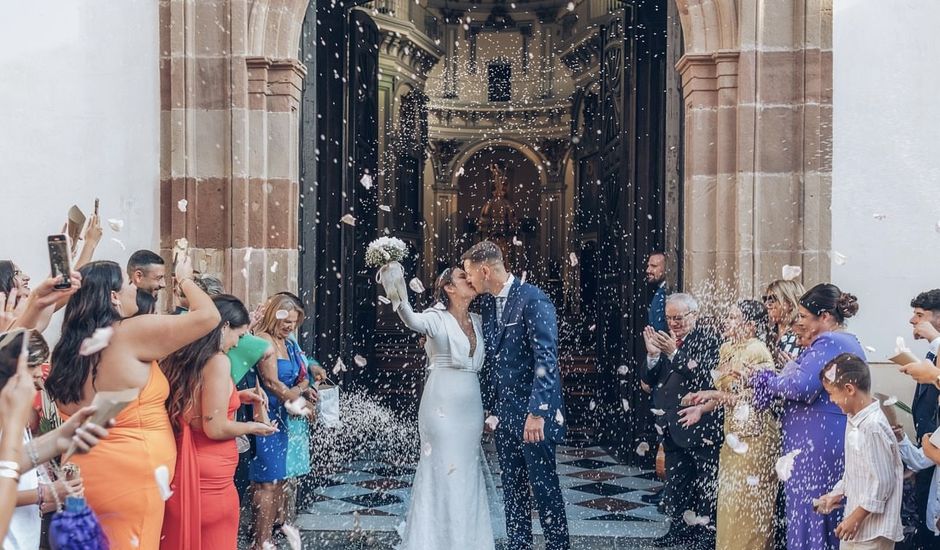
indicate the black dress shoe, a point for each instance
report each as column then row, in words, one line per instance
column 676, row 536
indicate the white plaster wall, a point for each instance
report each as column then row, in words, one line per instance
column 886, row 161
column 80, row 111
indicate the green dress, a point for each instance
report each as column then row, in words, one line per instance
column 747, row 482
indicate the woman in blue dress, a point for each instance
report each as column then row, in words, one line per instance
column 284, row 456
column 813, row 426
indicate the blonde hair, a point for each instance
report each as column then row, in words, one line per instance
column 278, row 302
column 787, row 293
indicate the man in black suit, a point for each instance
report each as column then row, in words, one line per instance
column 926, row 326
column 680, row 362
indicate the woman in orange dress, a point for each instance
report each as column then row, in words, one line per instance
column 203, row 511
column 121, row 484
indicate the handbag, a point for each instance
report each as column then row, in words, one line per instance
column 328, row 405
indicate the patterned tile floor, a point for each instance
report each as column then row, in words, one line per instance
column 603, row 498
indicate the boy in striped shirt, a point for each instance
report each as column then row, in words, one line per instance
column 871, row 484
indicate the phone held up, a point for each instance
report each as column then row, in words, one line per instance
column 60, row 260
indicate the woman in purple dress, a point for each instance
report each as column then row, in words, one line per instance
column 812, row 424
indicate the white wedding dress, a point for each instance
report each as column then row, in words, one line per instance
column 449, row 504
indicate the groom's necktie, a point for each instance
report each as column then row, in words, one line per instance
column 500, row 305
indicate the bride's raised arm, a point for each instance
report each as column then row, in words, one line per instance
column 428, row 323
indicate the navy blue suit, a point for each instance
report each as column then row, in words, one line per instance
column 521, row 377
column 924, row 409
column 657, row 311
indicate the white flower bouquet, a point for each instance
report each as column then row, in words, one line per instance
column 385, row 250
column 386, row 253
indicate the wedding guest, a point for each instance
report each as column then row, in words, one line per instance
column 20, row 455
column 656, row 279
column 36, row 310
column 203, row 511
column 782, row 299
column 926, row 326
column 918, row 459
column 678, row 363
column 35, row 495
column 871, row 484
column 147, row 271
column 120, row 481
column 285, row 455
column 813, row 426
column 146, row 303
column 747, row 482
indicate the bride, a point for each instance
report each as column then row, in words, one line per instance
column 449, row 507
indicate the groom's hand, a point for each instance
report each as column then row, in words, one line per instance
column 534, row 429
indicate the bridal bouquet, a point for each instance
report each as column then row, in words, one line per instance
column 386, row 253
column 385, row 250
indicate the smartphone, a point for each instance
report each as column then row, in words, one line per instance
column 60, row 259
column 97, row 201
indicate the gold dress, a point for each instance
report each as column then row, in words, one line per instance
column 747, row 482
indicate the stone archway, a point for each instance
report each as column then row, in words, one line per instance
column 230, row 92
column 758, row 127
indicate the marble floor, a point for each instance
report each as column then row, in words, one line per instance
column 607, row 503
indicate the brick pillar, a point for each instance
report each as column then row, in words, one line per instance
column 230, row 139
column 757, row 84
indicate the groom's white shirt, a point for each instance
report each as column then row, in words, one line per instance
column 504, row 294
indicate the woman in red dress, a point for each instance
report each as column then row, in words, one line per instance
column 202, row 513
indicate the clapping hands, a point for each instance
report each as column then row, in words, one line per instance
column 658, row 342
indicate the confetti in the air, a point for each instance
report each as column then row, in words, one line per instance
column 274, row 267
column 339, row 366
column 742, row 412
column 893, row 400
column 753, row 481
column 348, row 219
column 360, row 360
column 736, row 444
column 116, row 224
column 96, row 342
column 559, row 418
column 658, row 412
column 516, row 241
column 839, row 258
column 870, row 349
column 691, row 518
column 784, row 465
column 831, row 373
column 426, row 448
column 298, row 407
column 540, row 372
column 281, row 314
column 385, row 208
column 625, row 403
column 623, row 370
column 416, row 285
column 366, row 181
column 592, row 405
column 879, row 216
column 573, row 259
column 492, row 422
column 119, row 243
column 451, row 469
column 642, row 448
column 543, row 407
column 791, row 272
column 384, row 300
column 900, row 346
column 162, row 475
column 182, row 205
column 570, row 6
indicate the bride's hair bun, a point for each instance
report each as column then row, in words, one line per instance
column 847, row 305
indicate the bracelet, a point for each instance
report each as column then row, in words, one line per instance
column 10, row 465
column 39, row 495
column 33, row 455
column 10, row 474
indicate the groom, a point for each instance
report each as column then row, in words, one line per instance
column 521, row 386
